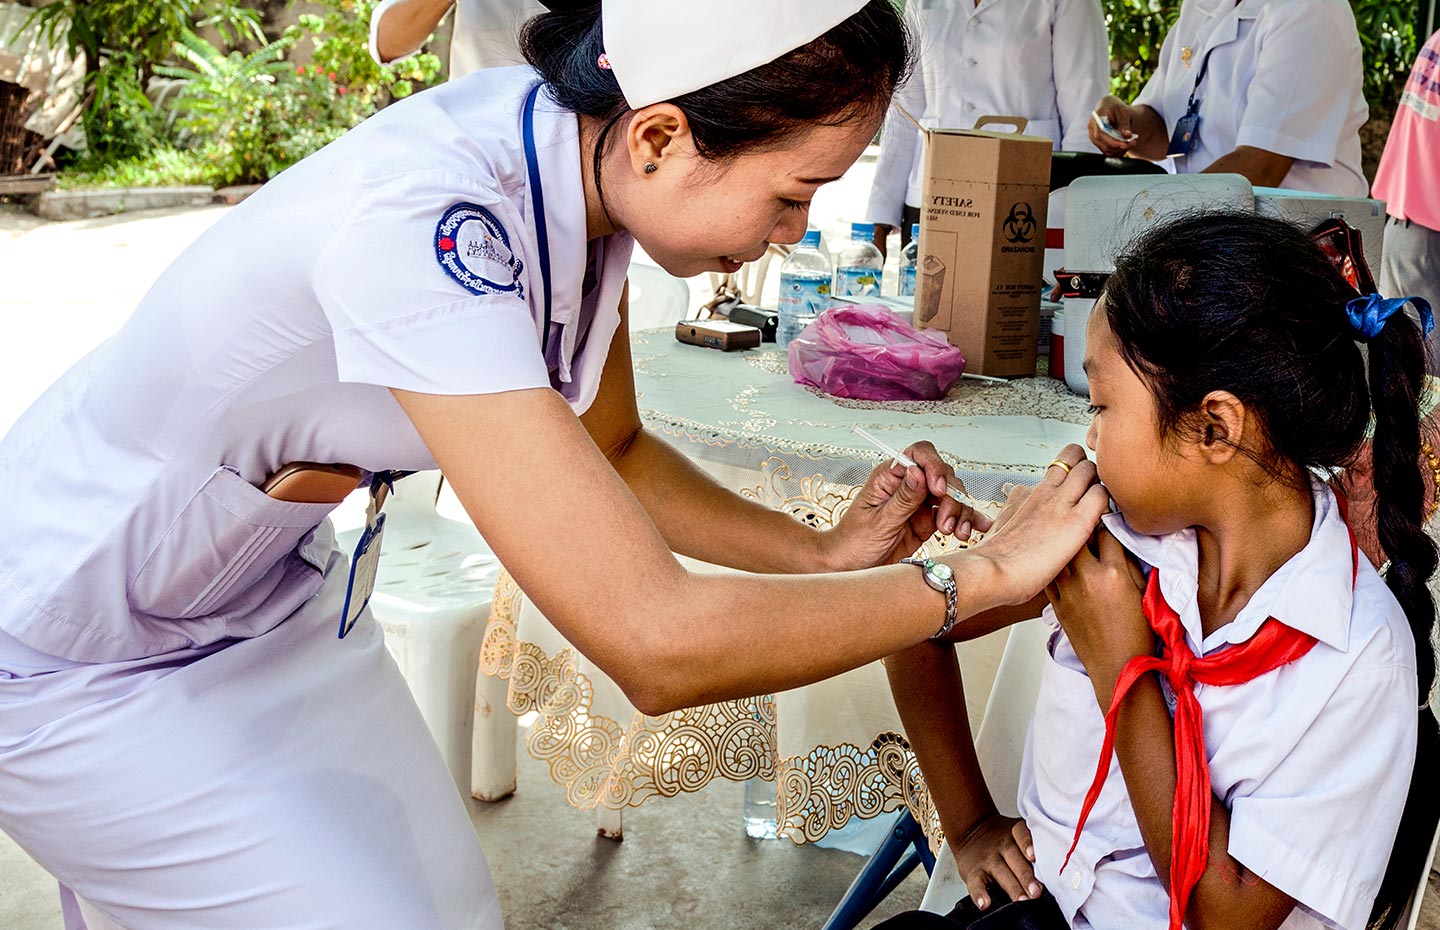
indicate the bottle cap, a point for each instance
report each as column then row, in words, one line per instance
column 862, row 230
column 811, row 240
column 914, row 230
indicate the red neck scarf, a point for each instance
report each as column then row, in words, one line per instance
column 1272, row 646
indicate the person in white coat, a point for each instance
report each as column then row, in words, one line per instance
column 1269, row 89
column 184, row 742
column 484, row 34
column 1044, row 60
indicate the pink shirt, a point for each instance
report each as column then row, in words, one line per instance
column 1408, row 179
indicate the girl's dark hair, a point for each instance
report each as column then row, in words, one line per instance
column 1250, row 305
column 848, row 74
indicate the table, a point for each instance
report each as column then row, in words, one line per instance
column 835, row 749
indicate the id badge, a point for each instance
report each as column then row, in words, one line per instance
column 365, row 561
column 1183, row 140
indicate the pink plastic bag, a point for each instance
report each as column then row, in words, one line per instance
column 866, row 352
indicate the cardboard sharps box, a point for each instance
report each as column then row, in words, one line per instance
column 982, row 244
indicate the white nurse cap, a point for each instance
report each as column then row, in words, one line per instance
column 662, row 49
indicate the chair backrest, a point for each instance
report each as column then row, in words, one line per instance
column 656, row 297
column 1000, row 741
column 749, row 281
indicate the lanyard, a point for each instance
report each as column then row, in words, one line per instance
column 537, row 200
column 1194, row 104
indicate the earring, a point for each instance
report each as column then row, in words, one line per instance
column 651, row 167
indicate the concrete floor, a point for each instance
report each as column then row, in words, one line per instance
column 685, row 862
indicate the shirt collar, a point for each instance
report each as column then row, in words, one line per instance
column 1313, row 592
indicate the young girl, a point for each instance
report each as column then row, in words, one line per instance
column 1258, row 780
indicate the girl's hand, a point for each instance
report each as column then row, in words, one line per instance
column 997, row 849
column 897, row 511
column 1097, row 601
column 1042, row 528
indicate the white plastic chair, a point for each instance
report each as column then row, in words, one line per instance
column 657, row 298
column 999, row 745
column 432, row 598
column 749, row 281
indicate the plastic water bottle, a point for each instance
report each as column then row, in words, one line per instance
column 859, row 266
column 760, row 809
column 804, row 289
column 909, row 258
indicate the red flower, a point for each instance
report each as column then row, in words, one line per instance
column 343, row 89
column 300, row 70
column 331, row 75
column 447, row 244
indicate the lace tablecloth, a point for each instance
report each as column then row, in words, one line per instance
column 835, row 749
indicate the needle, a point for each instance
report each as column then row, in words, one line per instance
column 903, row 459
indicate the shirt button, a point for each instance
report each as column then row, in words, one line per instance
column 970, row 62
column 1075, row 881
column 974, row 20
column 969, row 107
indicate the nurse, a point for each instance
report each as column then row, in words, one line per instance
column 1044, row 60
column 184, row 742
column 1268, row 89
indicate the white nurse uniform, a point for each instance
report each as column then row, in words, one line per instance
column 184, row 742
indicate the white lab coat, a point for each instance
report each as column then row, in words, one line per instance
column 1045, row 60
column 1284, row 75
column 485, row 33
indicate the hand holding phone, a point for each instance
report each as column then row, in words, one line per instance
column 1105, row 126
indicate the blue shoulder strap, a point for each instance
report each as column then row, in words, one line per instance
column 537, row 198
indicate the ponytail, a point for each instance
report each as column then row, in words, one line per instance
column 1397, row 374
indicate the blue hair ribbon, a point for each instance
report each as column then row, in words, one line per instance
column 1368, row 315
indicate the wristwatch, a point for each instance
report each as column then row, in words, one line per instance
column 939, row 576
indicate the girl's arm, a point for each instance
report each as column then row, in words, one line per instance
column 929, row 694
column 1097, row 600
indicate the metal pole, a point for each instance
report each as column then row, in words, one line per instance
column 1427, row 25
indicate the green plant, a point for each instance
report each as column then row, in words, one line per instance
column 1387, row 33
column 1136, row 27
column 217, row 88
column 123, row 41
column 253, row 115
column 160, row 166
column 340, row 38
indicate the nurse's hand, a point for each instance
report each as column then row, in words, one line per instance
column 1041, row 529
column 897, row 511
column 1121, row 116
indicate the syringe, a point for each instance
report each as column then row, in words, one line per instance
column 903, row 459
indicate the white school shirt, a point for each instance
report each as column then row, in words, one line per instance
column 1045, row 60
column 485, row 33
column 135, row 524
column 1313, row 760
column 1285, row 76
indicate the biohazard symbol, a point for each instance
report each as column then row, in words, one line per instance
column 1020, row 224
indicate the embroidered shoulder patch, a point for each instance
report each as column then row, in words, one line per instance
column 474, row 249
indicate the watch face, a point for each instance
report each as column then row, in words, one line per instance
column 942, row 571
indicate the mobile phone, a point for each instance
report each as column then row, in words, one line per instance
column 312, row 483
column 1110, row 130
column 718, row 334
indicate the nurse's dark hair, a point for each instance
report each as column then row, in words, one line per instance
column 1251, row 305
column 846, row 75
